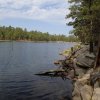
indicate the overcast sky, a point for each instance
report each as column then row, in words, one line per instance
column 41, row 15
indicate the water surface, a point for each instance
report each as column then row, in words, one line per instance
column 19, row 61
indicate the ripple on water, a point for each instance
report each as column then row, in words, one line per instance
column 17, row 69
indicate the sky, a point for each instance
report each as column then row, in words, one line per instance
column 40, row 15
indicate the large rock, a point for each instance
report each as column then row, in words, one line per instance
column 76, row 92
column 82, row 92
column 79, row 89
column 96, row 94
column 95, row 79
column 97, row 84
column 79, row 71
column 90, row 55
column 90, row 71
column 86, row 92
column 84, row 61
column 84, row 58
column 71, row 74
column 84, row 79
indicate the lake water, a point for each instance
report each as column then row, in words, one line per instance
column 19, row 61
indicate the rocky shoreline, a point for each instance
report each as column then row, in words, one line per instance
column 78, row 65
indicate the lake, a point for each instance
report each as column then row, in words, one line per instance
column 19, row 61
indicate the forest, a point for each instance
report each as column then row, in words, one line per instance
column 11, row 33
column 85, row 15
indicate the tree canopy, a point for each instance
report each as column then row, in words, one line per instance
column 11, row 33
column 85, row 15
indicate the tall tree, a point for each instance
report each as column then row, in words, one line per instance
column 85, row 16
column 11, row 33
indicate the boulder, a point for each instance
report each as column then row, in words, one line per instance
column 84, row 61
column 71, row 74
column 80, row 72
column 84, row 79
column 90, row 71
column 76, row 92
column 80, row 87
column 96, row 94
column 90, row 55
column 86, row 92
column 95, row 79
column 97, row 84
column 84, row 58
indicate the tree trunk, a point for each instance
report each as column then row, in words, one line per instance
column 91, row 27
column 91, row 47
column 97, row 62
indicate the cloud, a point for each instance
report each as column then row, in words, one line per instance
column 44, row 10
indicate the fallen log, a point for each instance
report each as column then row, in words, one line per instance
column 51, row 72
column 57, row 73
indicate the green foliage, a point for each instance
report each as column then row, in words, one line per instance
column 11, row 33
column 85, row 15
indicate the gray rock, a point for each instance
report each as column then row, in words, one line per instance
column 95, row 77
column 97, row 84
column 80, row 72
column 89, row 71
column 96, row 94
column 71, row 74
column 90, row 55
column 86, row 92
column 84, row 58
column 79, row 89
column 76, row 92
column 84, row 62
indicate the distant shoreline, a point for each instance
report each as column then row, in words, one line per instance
column 5, row 40
column 34, row 41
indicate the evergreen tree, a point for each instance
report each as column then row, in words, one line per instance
column 85, row 17
column 11, row 33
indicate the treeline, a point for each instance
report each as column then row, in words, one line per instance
column 85, row 15
column 11, row 33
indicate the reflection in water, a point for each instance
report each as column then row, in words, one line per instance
column 18, row 66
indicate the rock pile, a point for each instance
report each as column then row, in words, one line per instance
column 78, row 66
column 87, row 79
